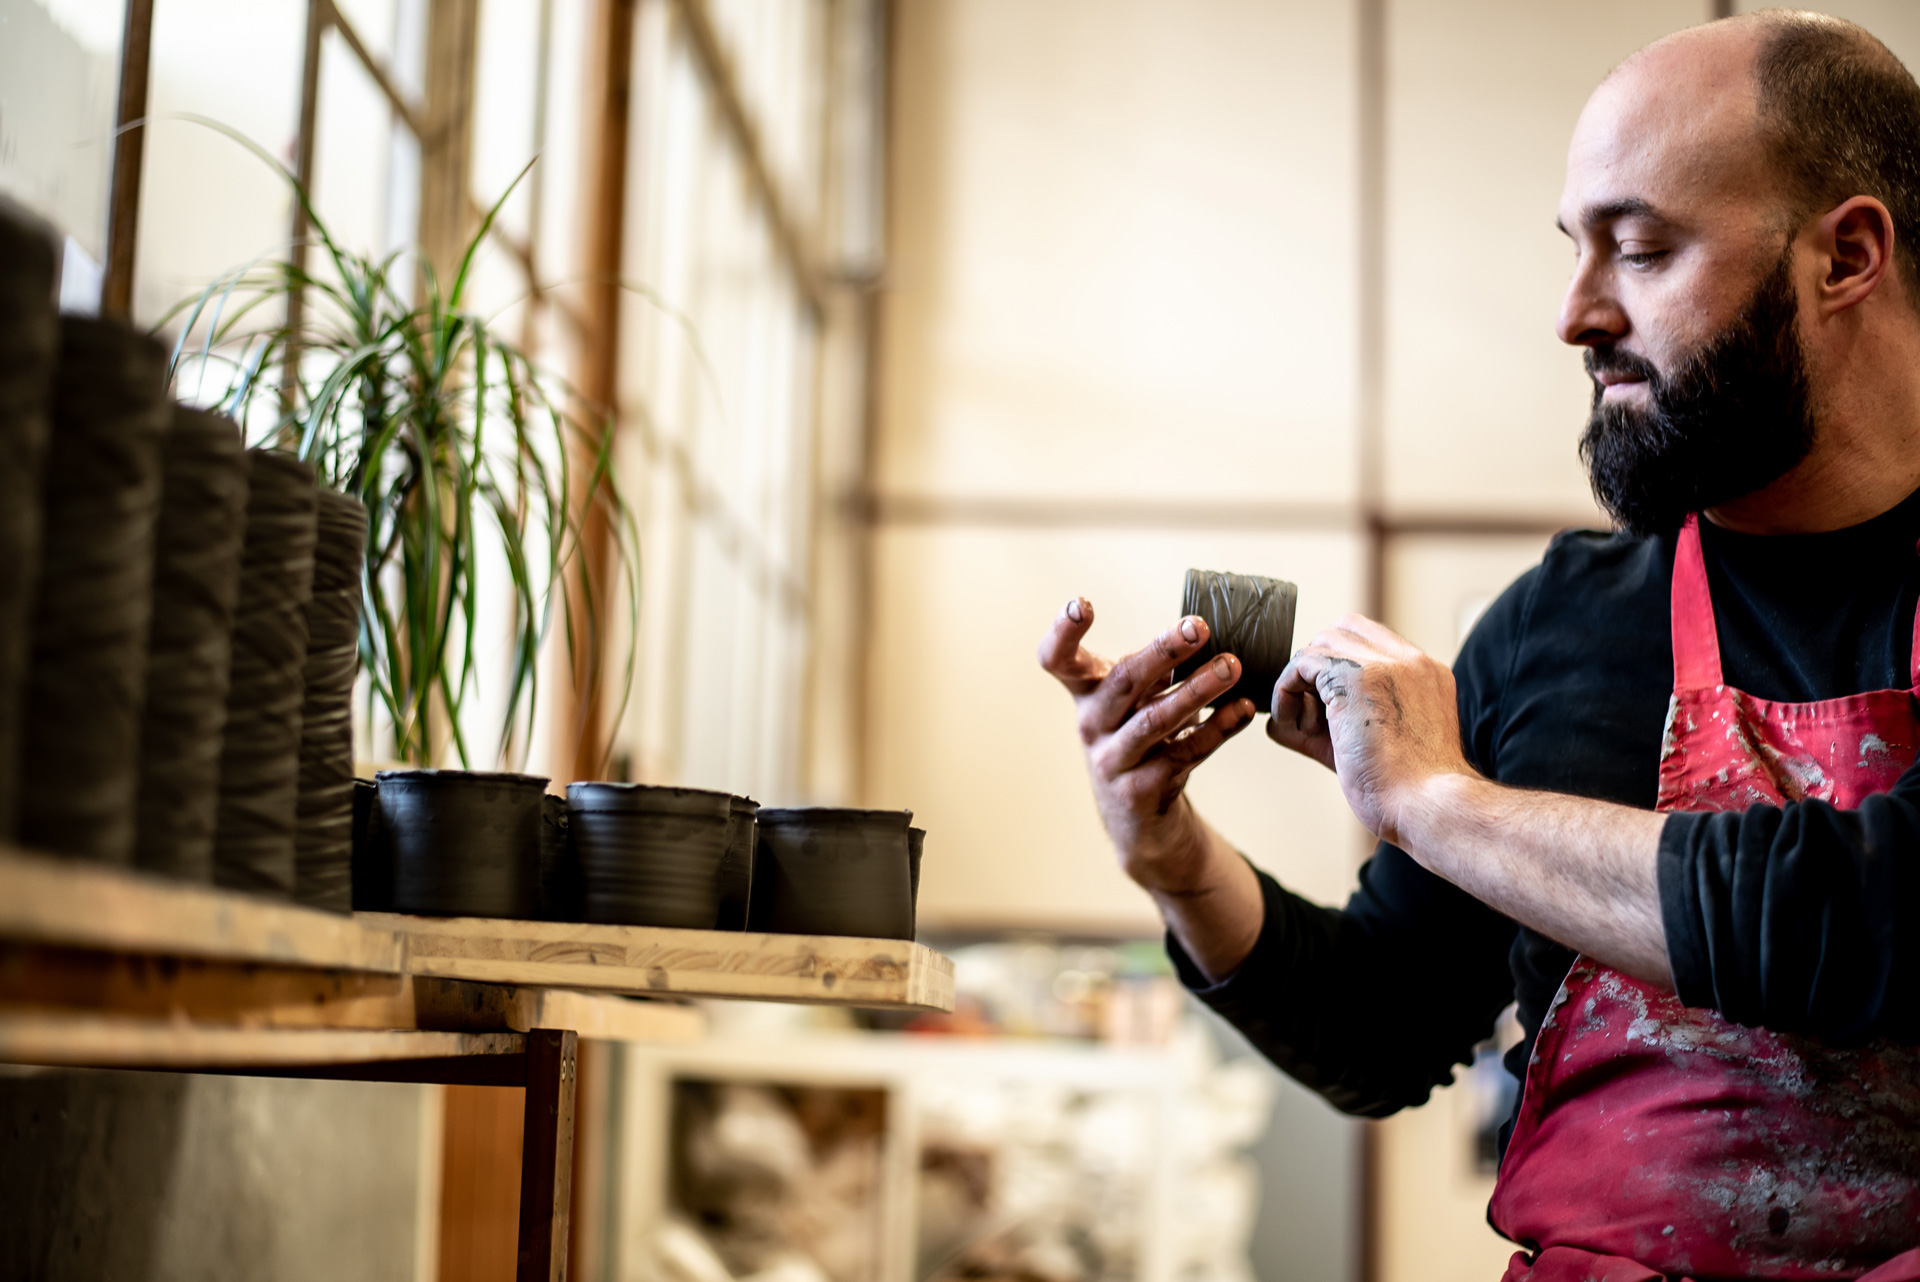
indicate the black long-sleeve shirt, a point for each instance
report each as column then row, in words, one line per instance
column 1789, row 917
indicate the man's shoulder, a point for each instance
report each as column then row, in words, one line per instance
column 1599, row 558
column 1588, row 584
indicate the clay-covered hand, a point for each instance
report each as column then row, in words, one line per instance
column 1143, row 736
column 1371, row 706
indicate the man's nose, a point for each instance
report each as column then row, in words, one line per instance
column 1589, row 315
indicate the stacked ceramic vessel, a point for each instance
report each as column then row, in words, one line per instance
column 463, row 843
column 178, row 625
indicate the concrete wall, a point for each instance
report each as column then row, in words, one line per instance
column 154, row 1177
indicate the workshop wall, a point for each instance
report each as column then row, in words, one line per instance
column 113, row 1177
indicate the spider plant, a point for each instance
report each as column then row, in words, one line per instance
column 453, row 438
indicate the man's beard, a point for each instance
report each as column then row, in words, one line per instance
column 1733, row 418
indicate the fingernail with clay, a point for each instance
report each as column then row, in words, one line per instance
column 1190, row 629
column 1073, row 609
column 1223, row 668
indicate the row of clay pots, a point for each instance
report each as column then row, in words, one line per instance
column 465, row 844
column 179, row 615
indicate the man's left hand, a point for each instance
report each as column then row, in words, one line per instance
column 1372, row 707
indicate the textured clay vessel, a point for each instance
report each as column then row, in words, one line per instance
column 650, row 856
column 253, row 842
column 560, row 891
column 736, row 872
column 323, row 833
column 372, row 857
column 1248, row 617
column 196, row 583
column 916, row 845
column 828, row 871
column 463, row 843
column 29, row 341
column 79, row 765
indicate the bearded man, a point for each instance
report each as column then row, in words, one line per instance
column 1666, row 800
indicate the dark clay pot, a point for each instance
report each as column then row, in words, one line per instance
column 464, row 843
column 736, row 870
column 196, row 582
column 29, row 341
column 253, row 844
column 827, row 871
column 1248, row 617
column 372, row 856
column 323, row 832
column 79, row 768
column 650, row 856
column 916, row 844
column 560, row 889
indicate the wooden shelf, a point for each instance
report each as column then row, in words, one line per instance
column 884, row 973
column 104, row 1041
column 76, row 904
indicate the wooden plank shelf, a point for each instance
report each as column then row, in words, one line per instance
column 76, row 904
column 112, row 1041
column 846, row 971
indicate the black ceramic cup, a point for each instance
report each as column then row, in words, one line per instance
column 29, row 339
column 323, row 836
column 79, row 764
column 736, row 871
column 916, row 845
column 650, row 856
column 463, row 843
column 372, row 857
column 253, row 839
column 559, row 865
column 820, row 870
column 1248, row 617
column 196, row 584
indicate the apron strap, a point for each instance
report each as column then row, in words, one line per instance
column 1696, row 642
column 1913, row 658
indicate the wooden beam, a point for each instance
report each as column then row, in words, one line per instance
column 251, row 995
column 604, row 198
column 888, row 973
column 129, row 150
column 105, row 1041
column 718, row 70
column 75, row 904
column 445, row 130
column 546, row 1155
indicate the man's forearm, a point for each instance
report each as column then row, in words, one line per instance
column 1217, row 912
column 1578, row 871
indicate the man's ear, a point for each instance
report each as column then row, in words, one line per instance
column 1857, row 238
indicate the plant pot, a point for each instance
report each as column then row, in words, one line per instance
column 100, row 491
column 828, row 871
column 916, row 844
column 560, row 889
column 463, row 843
column 372, row 856
column 736, row 870
column 196, row 583
column 323, row 830
column 650, row 856
column 29, row 343
column 253, row 845
column 1248, row 617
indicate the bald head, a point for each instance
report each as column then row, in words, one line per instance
column 1799, row 109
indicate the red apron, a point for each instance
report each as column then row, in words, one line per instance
column 1657, row 1140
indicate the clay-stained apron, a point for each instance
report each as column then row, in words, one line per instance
column 1660, row 1141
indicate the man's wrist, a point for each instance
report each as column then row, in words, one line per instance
column 1185, row 866
column 1436, row 808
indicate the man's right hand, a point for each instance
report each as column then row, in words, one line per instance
column 1143, row 740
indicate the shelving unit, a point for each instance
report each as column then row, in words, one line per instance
column 110, row 968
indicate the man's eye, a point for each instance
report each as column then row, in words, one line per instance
column 1643, row 258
